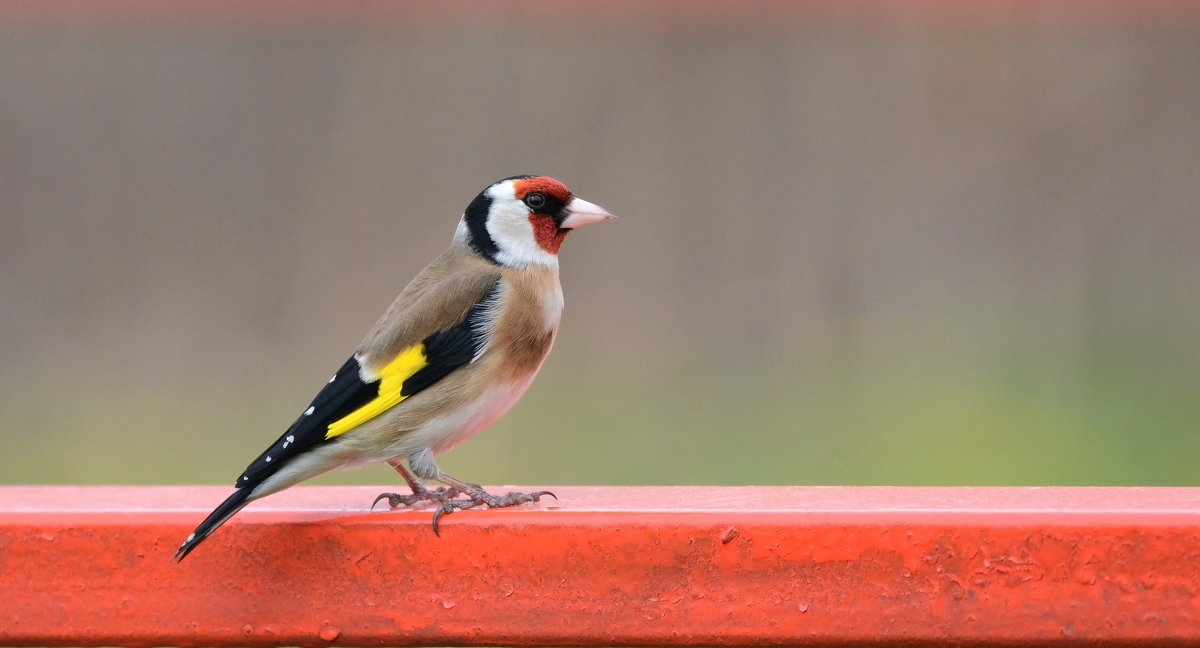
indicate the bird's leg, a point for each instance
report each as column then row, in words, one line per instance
column 476, row 496
column 420, row 494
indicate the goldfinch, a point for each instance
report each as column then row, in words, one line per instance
column 451, row 355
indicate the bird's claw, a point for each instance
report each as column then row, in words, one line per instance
column 479, row 497
column 420, row 495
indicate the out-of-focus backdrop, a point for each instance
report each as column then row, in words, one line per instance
column 860, row 243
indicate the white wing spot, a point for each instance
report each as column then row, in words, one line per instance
column 309, row 411
column 332, row 379
column 268, row 459
column 290, row 438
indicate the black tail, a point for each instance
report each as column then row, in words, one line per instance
column 231, row 505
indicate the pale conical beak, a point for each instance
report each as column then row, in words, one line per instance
column 581, row 212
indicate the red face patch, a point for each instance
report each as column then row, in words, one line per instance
column 546, row 232
column 541, row 184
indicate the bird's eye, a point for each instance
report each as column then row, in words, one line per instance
column 535, row 201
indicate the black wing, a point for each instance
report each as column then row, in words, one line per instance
column 344, row 395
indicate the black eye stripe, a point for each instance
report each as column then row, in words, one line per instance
column 546, row 204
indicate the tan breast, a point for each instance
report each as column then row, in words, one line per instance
column 527, row 322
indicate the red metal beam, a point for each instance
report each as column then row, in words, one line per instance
column 85, row 566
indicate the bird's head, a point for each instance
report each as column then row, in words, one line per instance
column 522, row 221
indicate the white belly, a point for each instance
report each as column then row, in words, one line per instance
column 445, row 432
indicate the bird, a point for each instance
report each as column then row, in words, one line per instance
column 455, row 350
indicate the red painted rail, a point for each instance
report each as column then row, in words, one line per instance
column 607, row 566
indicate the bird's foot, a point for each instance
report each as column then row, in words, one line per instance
column 420, row 495
column 476, row 496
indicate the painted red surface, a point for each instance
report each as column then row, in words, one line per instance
column 607, row 566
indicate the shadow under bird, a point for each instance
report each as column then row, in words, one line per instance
column 452, row 354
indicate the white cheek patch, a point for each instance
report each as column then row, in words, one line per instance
column 508, row 225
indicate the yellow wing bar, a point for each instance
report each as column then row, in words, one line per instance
column 391, row 381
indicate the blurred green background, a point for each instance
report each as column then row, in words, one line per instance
column 860, row 243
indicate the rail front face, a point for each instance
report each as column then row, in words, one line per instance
column 607, row 566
